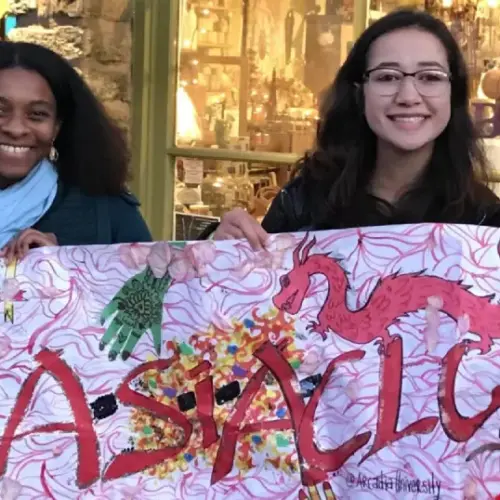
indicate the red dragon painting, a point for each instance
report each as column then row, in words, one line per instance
column 393, row 297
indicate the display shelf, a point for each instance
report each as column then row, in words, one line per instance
column 203, row 54
column 203, row 58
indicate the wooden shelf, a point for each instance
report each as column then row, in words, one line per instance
column 215, row 46
column 213, row 9
column 204, row 58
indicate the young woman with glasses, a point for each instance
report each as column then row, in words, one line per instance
column 395, row 143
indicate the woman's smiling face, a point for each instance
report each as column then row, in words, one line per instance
column 28, row 123
column 418, row 111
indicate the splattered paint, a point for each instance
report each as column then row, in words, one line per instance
column 349, row 364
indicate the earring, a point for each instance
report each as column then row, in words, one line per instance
column 53, row 155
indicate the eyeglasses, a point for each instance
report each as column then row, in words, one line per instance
column 387, row 81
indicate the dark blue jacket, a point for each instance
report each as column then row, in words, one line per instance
column 78, row 219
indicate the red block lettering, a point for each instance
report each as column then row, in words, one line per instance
column 390, row 403
column 457, row 428
column 330, row 460
column 319, row 463
column 128, row 463
column 88, row 459
column 232, row 427
column 204, row 392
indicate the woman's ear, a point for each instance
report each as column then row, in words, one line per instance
column 57, row 128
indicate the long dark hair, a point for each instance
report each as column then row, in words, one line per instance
column 93, row 153
column 339, row 169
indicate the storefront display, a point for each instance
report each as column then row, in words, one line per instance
column 225, row 185
column 249, row 70
column 248, row 80
column 252, row 73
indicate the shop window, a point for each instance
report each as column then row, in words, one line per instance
column 252, row 72
column 206, row 189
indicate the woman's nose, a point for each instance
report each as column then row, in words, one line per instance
column 408, row 93
column 15, row 126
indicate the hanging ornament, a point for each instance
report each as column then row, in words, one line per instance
column 289, row 26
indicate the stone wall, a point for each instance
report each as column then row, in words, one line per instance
column 95, row 35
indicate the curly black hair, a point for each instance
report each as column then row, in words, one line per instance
column 93, row 150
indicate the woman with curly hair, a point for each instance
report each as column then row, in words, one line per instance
column 63, row 162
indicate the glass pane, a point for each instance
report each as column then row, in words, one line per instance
column 251, row 72
column 206, row 189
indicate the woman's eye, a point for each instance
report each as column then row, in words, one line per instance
column 285, row 281
column 39, row 115
column 387, row 77
column 432, row 77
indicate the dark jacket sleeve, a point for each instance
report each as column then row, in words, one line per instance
column 277, row 218
column 492, row 217
column 127, row 223
column 288, row 212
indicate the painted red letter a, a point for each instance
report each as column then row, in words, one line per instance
column 88, row 460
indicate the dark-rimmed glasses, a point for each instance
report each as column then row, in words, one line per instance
column 387, row 81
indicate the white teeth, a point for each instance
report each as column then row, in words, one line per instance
column 408, row 119
column 16, row 150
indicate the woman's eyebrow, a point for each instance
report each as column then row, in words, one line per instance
column 422, row 64
column 427, row 64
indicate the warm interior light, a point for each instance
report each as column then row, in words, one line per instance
column 447, row 3
column 492, row 4
column 187, row 123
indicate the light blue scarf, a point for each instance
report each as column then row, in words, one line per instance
column 24, row 203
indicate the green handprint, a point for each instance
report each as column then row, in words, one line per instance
column 139, row 308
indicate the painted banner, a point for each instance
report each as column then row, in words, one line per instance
column 354, row 364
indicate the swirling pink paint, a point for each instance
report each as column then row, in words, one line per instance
column 66, row 289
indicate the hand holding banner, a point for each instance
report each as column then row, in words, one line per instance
column 345, row 364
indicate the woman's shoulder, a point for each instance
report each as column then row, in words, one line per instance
column 70, row 196
column 123, row 201
column 491, row 216
column 488, row 211
column 289, row 210
column 79, row 218
column 126, row 221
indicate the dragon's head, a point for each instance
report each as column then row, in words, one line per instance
column 295, row 283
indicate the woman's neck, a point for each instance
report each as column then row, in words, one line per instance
column 396, row 171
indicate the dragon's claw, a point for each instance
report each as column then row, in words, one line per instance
column 312, row 326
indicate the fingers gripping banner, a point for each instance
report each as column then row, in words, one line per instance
column 356, row 364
